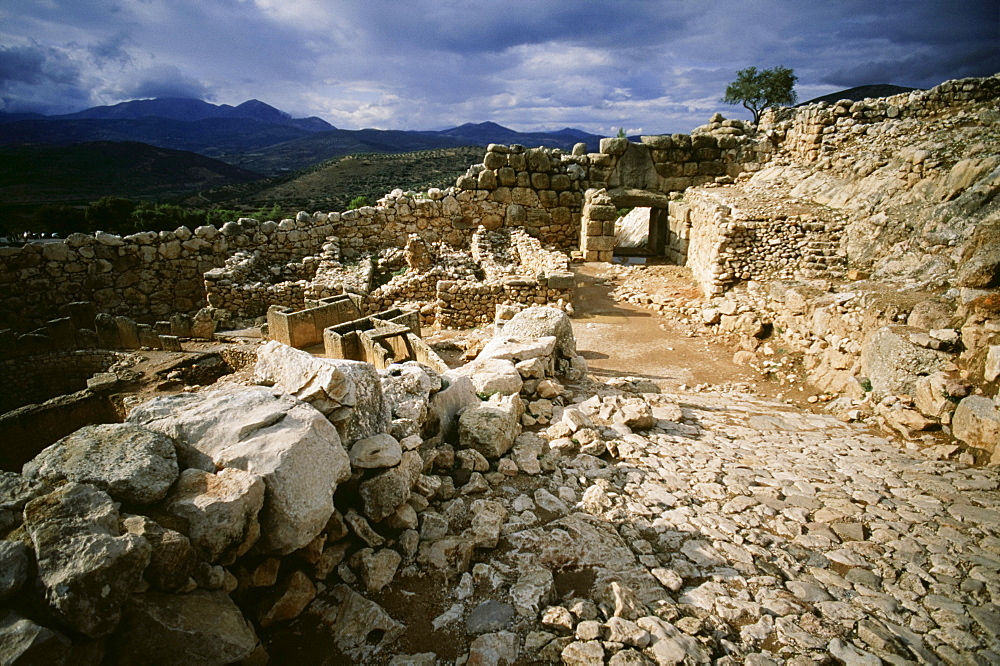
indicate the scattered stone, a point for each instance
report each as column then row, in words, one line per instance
column 488, row 617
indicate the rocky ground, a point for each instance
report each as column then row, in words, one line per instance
column 734, row 529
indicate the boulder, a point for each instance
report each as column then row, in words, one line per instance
column 86, row 567
column 349, row 393
column 517, row 349
column 893, row 363
column 14, row 563
column 977, row 423
column 491, row 428
column 377, row 569
column 291, row 445
column 376, row 452
column 383, row 493
column 24, row 642
column 407, row 388
column 931, row 395
column 173, row 558
column 201, row 627
column 360, row 627
column 132, row 464
column 538, row 322
column 446, row 405
column 287, row 600
column 219, row 511
column 490, row 376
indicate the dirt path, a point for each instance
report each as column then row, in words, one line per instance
column 619, row 338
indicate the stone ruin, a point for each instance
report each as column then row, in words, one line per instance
column 196, row 525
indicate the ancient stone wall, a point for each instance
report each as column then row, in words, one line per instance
column 734, row 239
column 34, row 379
column 148, row 275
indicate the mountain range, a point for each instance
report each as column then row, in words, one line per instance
column 254, row 135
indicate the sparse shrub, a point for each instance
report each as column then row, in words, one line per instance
column 358, row 202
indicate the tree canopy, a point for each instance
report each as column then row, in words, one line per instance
column 759, row 90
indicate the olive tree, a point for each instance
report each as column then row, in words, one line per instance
column 759, row 90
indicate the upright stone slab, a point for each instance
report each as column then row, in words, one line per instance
column 180, row 325
column 62, row 332
column 81, row 312
column 107, row 331
column 148, row 336
column 128, row 333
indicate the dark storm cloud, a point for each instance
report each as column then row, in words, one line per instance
column 165, row 81
column 654, row 65
column 36, row 65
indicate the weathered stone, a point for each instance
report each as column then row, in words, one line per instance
column 376, row 452
column 539, row 322
column 173, row 558
column 287, row 442
column 218, row 511
column 491, row 428
column 490, row 376
column 22, row 642
column 488, row 617
column 977, row 423
column 360, row 628
column 130, row 463
column 14, row 563
column 382, row 493
column 287, row 600
column 532, row 591
column 893, row 363
column 496, row 649
column 200, row 627
column 86, row 568
column 377, row 569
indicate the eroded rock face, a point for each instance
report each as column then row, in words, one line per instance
column 130, row 463
column 291, row 445
column 86, row 567
column 201, row 627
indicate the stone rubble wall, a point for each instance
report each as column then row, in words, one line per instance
column 732, row 240
column 148, row 275
column 37, row 378
column 812, row 132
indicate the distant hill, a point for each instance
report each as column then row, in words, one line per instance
column 179, row 108
column 35, row 174
column 255, row 135
column 332, row 184
column 861, row 92
column 319, row 146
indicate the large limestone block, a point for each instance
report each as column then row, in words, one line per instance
column 446, row 405
column 977, row 423
column 201, row 627
column 130, row 463
column 290, row 444
column 518, row 349
column 349, row 393
column 317, row 381
column 382, row 494
column 86, row 567
column 539, row 322
column 173, row 560
column 219, row 510
column 490, row 376
column 892, row 363
column 491, row 428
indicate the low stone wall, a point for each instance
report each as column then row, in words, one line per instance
column 35, row 379
column 734, row 239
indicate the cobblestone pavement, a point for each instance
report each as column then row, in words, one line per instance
column 737, row 530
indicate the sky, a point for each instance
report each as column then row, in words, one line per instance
column 649, row 66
